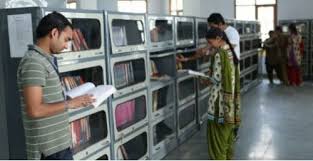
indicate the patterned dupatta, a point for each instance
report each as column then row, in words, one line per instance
column 294, row 54
column 224, row 101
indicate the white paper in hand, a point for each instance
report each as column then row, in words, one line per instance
column 191, row 72
column 101, row 93
column 80, row 90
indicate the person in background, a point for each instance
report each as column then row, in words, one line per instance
column 272, row 57
column 160, row 32
column 224, row 99
column 295, row 53
column 43, row 104
column 217, row 20
column 283, row 45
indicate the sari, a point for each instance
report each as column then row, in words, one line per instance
column 294, row 60
column 224, row 105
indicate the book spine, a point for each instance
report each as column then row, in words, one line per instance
column 76, row 41
column 82, row 40
column 127, row 73
column 155, row 101
column 132, row 73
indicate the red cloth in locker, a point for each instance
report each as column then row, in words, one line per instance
column 125, row 113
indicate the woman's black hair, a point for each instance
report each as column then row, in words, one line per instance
column 214, row 32
column 51, row 21
column 293, row 29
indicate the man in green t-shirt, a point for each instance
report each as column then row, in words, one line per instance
column 44, row 107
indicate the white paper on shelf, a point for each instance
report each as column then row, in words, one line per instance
column 20, row 34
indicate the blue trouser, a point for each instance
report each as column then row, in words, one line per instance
column 65, row 154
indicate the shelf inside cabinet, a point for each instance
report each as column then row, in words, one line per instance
column 128, row 73
column 88, row 131
column 163, row 129
column 133, row 149
column 130, row 112
column 186, row 116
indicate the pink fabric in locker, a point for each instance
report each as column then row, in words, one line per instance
column 125, row 113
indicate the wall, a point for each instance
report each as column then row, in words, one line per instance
column 89, row 4
column 294, row 9
column 2, row 3
column 192, row 8
column 109, row 5
column 50, row 3
column 56, row 3
column 225, row 7
column 203, row 8
column 154, row 6
column 158, row 7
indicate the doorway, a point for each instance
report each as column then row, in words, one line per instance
column 266, row 15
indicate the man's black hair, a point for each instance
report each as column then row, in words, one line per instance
column 271, row 32
column 216, row 18
column 51, row 21
column 292, row 28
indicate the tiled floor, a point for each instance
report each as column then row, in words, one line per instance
column 277, row 124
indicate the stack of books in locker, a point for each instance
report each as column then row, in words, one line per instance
column 161, row 87
column 128, row 66
column 89, row 125
column 124, row 73
column 250, row 44
column 79, row 42
column 80, row 130
column 187, row 37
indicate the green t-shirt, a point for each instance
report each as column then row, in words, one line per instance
column 50, row 134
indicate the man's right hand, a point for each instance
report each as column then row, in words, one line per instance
column 205, row 82
column 182, row 59
column 81, row 101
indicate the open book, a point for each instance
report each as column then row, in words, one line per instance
column 202, row 75
column 100, row 93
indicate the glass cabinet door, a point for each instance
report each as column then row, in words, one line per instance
column 88, row 131
column 127, row 32
column 202, row 29
column 186, row 116
column 184, row 30
column 127, row 73
column 163, row 129
column 186, row 88
column 133, row 149
column 86, row 35
column 161, row 30
column 130, row 112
